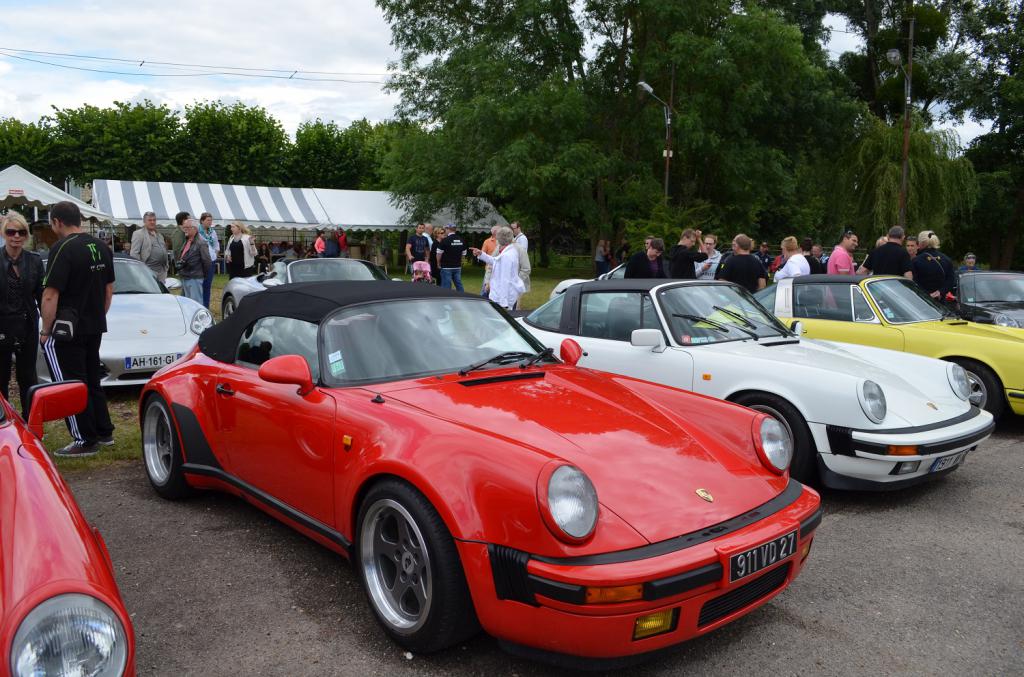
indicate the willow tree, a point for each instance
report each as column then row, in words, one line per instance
column 941, row 180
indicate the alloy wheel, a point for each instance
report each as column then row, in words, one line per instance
column 979, row 393
column 157, row 443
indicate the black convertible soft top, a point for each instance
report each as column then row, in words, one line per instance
column 309, row 301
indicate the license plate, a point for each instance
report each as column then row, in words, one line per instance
column 948, row 461
column 146, row 362
column 761, row 556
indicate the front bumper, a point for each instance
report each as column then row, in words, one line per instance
column 860, row 459
column 540, row 603
column 113, row 354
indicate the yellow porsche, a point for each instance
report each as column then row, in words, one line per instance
column 894, row 313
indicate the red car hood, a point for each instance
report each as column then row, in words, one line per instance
column 645, row 464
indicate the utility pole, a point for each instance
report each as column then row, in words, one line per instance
column 907, row 77
column 668, row 129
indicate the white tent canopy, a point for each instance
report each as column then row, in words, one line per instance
column 268, row 207
column 20, row 187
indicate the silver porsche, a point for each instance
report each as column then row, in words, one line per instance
column 147, row 326
column 299, row 270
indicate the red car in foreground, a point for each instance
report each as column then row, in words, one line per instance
column 473, row 480
column 60, row 610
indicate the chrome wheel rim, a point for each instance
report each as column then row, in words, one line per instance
column 979, row 393
column 229, row 307
column 396, row 566
column 157, row 443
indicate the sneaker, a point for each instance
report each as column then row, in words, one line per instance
column 77, row 450
column 105, row 440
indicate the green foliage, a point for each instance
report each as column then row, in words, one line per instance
column 27, row 144
column 233, row 144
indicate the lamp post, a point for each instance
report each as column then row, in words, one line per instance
column 896, row 59
column 668, row 122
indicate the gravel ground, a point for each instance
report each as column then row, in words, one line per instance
column 923, row 582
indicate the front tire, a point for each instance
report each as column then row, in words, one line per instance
column 161, row 450
column 802, row 468
column 411, row 570
column 986, row 388
column 227, row 307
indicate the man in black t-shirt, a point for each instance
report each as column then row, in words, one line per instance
column 890, row 258
column 417, row 247
column 742, row 267
column 77, row 289
column 450, row 251
column 684, row 256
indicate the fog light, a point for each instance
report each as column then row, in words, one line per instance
column 621, row 593
column 655, row 624
column 902, row 450
column 805, row 551
column 907, row 467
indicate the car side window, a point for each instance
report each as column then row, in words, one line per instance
column 611, row 315
column 822, row 301
column 272, row 336
column 549, row 315
column 648, row 315
column 861, row 310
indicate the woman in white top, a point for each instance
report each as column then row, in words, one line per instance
column 506, row 285
column 796, row 264
column 240, row 251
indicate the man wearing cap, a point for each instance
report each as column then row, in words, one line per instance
column 450, row 251
column 970, row 264
column 148, row 246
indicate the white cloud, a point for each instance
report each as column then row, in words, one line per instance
column 347, row 37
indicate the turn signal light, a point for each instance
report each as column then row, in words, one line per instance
column 902, row 450
column 621, row 593
column 655, row 624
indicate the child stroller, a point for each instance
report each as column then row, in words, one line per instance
column 421, row 272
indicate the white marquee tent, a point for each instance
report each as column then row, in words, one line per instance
column 20, row 187
column 267, row 207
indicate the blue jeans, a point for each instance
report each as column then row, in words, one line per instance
column 208, row 284
column 192, row 288
column 449, row 275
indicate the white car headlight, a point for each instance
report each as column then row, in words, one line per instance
column 872, row 401
column 70, row 635
column 774, row 445
column 958, row 381
column 1005, row 320
column 572, row 501
column 201, row 320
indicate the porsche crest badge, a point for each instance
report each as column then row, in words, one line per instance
column 932, row 405
column 706, row 495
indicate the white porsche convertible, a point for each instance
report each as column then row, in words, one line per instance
column 860, row 418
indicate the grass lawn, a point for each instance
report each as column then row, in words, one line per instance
column 124, row 401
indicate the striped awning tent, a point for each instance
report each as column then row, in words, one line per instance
column 261, row 206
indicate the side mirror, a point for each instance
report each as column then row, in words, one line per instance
column 570, row 352
column 653, row 338
column 288, row 369
column 172, row 283
column 797, row 327
column 54, row 401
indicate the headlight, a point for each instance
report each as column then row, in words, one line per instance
column 958, row 381
column 201, row 320
column 572, row 502
column 1005, row 320
column 774, row 444
column 872, row 401
column 70, row 635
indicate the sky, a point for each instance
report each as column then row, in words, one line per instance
column 348, row 41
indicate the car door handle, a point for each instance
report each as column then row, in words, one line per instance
column 224, row 389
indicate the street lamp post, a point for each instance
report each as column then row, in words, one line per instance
column 896, row 59
column 668, row 123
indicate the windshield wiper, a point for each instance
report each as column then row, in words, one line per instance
column 542, row 355
column 735, row 315
column 717, row 325
column 134, row 291
column 500, row 357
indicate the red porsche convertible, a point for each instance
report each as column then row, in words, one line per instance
column 60, row 610
column 475, row 480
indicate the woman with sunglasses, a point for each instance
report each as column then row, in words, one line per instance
column 21, row 289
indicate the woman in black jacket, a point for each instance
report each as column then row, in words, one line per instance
column 21, row 291
column 933, row 270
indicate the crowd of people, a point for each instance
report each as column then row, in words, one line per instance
column 696, row 256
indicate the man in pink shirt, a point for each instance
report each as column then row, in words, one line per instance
column 841, row 260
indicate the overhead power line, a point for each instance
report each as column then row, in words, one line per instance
column 209, row 70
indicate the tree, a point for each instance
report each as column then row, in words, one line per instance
column 29, row 145
column 234, row 143
column 323, row 156
column 134, row 142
